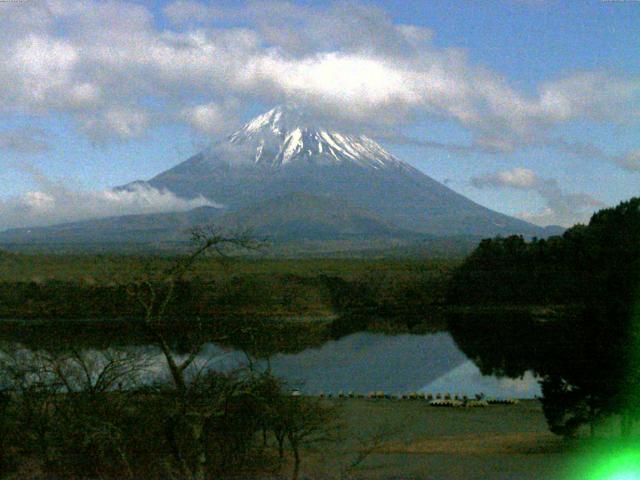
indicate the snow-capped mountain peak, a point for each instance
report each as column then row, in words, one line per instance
column 277, row 120
column 293, row 176
column 285, row 135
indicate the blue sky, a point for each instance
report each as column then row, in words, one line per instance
column 530, row 107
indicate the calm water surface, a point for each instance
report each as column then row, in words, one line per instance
column 365, row 362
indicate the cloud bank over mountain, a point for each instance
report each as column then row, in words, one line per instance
column 118, row 69
column 54, row 202
column 561, row 208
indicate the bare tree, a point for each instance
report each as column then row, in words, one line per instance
column 154, row 292
column 368, row 445
column 25, row 377
column 67, row 404
column 96, row 372
column 303, row 422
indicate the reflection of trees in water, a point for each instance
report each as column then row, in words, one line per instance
column 204, row 422
column 501, row 343
column 262, row 337
column 94, row 413
column 267, row 335
column 588, row 352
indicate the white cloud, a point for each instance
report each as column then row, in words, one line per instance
column 590, row 95
column 348, row 27
column 26, row 140
column 54, row 201
column 205, row 118
column 183, row 12
column 629, row 160
column 117, row 73
column 57, row 204
column 347, row 86
column 561, row 208
column 119, row 122
column 521, row 178
column 210, row 118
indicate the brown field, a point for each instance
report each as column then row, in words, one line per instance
column 410, row 440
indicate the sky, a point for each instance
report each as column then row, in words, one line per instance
column 529, row 107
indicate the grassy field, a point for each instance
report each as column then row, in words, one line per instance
column 95, row 286
column 105, row 268
column 423, row 442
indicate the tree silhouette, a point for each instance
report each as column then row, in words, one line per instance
column 586, row 343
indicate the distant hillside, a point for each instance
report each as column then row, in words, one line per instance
column 300, row 216
column 295, row 225
column 149, row 228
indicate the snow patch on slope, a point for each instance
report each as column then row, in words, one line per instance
column 283, row 136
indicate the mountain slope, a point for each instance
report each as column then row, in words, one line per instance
column 279, row 153
column 290, row 179
column 290, row 217
column 300, row 216
column 148, row 228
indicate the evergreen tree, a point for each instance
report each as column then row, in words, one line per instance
column 589, row 353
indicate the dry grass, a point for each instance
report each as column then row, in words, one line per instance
column 481, row 444
column 498, row 442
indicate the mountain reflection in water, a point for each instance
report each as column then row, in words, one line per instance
column 364, row 362
column 360, row 363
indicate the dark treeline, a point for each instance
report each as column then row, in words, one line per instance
column 583, row 337
column 238, row 295
column 278, row 294
column 259, row 337
column 214, row 304
column 513, row 271
column 287, row 295
column 98, row 315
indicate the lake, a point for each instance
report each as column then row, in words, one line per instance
column 365, row 362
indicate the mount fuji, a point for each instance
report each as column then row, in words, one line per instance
column 282, row 153
column 287, row 177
